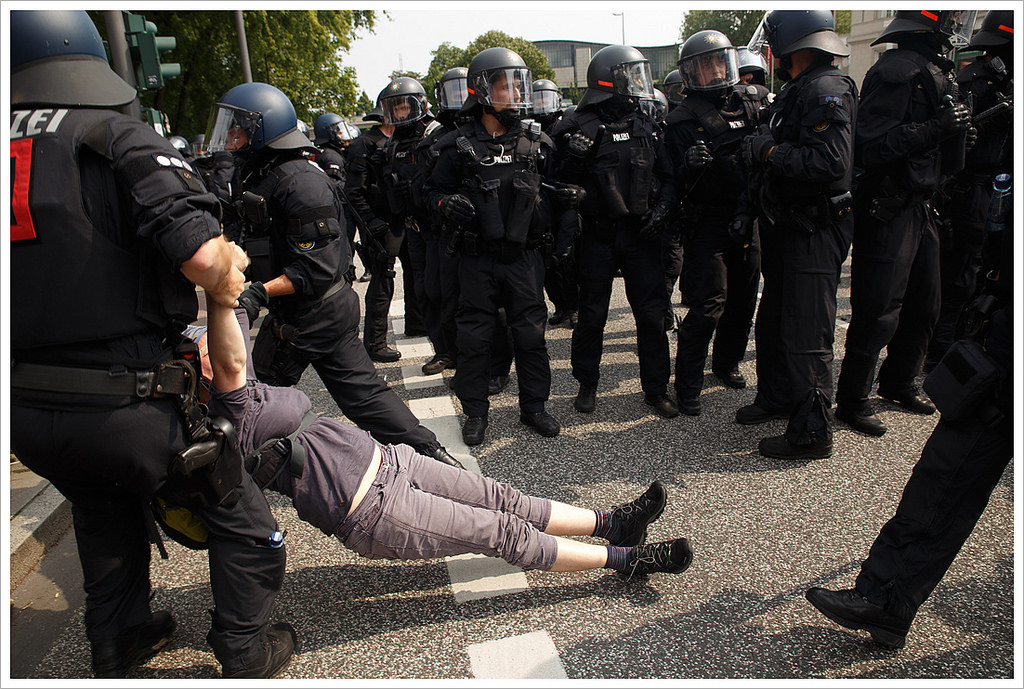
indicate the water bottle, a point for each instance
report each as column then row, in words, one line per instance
column 999, row 203
column 276, row 540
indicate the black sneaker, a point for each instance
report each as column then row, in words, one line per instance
column 280, row 645
column 437, row 363
column 496, row 384
column 586, row 399
column 473, row 430
column 663, row 404
column 672, row 557
column 133, row 646
column 634, row 517
column 542, row 422
column 853, row 611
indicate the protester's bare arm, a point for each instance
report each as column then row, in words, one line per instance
column 226, row 344
column 217, row 267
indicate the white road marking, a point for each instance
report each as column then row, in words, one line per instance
column 530, row 656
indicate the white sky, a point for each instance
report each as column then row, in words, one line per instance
column 406, row 41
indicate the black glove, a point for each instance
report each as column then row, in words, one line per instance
column 697, row 156
column 953, row 119
column 378, row 228
column 579, row 145
column 566, row 196
column 652, row 221
column 971, row 139
column 252, row 299
column 457, row 208
column 741, row 229
column 756, row 148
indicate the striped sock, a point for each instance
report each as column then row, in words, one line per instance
column 607, row 526
column 618, row 558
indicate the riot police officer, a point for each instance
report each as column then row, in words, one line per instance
column 672, row 85
column 487, row 181
column 721, row 245
column 332, row 136
column 547, row 103
column 986, row 86
column 753, row 68
column 610, row 147
column 909, row 137
column 802, row 172
column 110, row 229
column 672, row 241
column 301, row 267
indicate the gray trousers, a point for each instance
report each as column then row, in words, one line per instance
column 419, row 508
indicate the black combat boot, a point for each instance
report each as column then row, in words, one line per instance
column 133, row 646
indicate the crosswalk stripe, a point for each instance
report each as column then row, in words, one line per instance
column 530, row 656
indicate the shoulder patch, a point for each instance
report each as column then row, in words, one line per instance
column 305, row 246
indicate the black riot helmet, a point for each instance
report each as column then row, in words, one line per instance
column 617, row 70
column 752, row 62
column 996, row 32
column 656, row 107
column 948, row 27
column 260, row 112
column 547, row 99
column 330, row 128
column 788, row 31
column 708, row 62
column 499, row 76
column 450, row 91
column 57, row 58
column 403, row 101
column 673, row 87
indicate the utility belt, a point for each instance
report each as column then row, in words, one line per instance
column 175, row 377
column 809, row 216
column 472, row 244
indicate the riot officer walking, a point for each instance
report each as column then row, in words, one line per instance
column 332, row 136
column 802, row 169
column 909, row 137
column 610, row 147
column 110, row 229
column 302, row 270
column 487, row 181
column 721, row 241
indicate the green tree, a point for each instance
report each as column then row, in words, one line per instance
column 447, row 56
column 738, row 25
column 843, row 20
column 300, row 52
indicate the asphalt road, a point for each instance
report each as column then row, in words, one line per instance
column 763, row 531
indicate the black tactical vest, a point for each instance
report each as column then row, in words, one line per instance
column 71, row 282
column 623, row 165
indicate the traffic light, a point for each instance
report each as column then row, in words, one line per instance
column 145, row 47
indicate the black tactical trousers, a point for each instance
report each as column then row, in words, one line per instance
column 485, row 284
column 413, row 256
column 672, row 257
column 640, row 259
column 329, row 340
column 441, row 286
column 379, row 293
column 109, row 464
column 795, row 325
column 894, row 294
column 721, row 282
column 560, row 284
column 947, row 492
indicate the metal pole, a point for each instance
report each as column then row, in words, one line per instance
column 121, row 57
column 243, row 47
column 623, row 16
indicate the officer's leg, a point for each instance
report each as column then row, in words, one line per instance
column 413, row 257
column 943, row 500
column 502, row 346
column 432, row 294
column 918, row 315
column 705, row 286
column 672, row 256
column 351, row 379
column 742, row 276
column 595, row 270
column 527, row 314
column 478, row 304
column 449, row 277
column 379, row 293
column 644, row 283
column 882, row 256
column 772, row 378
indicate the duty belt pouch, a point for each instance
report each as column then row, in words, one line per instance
column 215, row 461
column 964, row 381
column 605, row 173
column 885, row 208
column 261, row 258
column 641, row 162
column 272, row 354
column 526, row 187
column 395, row 190
column 923, row 170
column 488, row 209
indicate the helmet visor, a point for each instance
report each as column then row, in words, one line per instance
column 231, row 128
column 507, row 88
column 959, row 24
column 633, row 79
column 404, row 109
column 451, row 93
column 674, row 92
column 338, row 131
column 710, row 71
column 546, row 102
